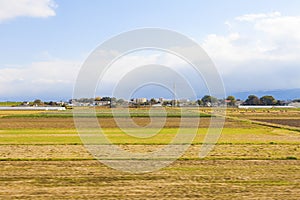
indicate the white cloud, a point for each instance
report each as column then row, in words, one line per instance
column 284, row 27
column 10, row 9
column 129, row 63
column 55, row 79
column 253, row 17
column 48, row 79
column 258, row 47
column 272, row 37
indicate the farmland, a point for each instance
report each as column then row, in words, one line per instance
column 10, row 103
column 257, row 156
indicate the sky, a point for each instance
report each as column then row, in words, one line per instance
column 255, row 45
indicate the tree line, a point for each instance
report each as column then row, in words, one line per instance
column 206, row 101
column 253, row 100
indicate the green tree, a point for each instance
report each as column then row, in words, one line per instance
column 268, row 100
column 106, row 99
column 153, row 101
column 37, row 102
column 252, row 100
column 208, row 100
column 165, row 103
column 199, row 102
column 232, row 100
column 51, row 103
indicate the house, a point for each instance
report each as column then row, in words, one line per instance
column 102, row 103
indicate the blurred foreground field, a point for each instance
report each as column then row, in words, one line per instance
column 257, row 157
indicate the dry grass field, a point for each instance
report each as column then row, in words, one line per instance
column 195, row 179
column 42, row 157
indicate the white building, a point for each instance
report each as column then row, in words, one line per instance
column 141, row 100
column 295, row 104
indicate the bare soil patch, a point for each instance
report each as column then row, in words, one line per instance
column 288, row 122
column 68, row 123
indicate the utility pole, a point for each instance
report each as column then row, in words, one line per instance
column 174, row 93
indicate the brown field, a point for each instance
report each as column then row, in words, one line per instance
column 289, row 122
column 68, row 123
column 43, row 158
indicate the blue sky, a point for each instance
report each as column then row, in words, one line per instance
column 254, row 44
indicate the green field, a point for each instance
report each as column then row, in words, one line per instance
column 42, row 156
column 10, row 103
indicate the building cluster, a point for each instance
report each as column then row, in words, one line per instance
column 134, row 102
column 206, row 101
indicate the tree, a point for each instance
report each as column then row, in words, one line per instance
column 97, row 98
column 208, row 100
column 199, row 102
column 120, row 101
column 268, row 100
column 153, row 101
column 252, row 100
column 232, row 100
column 37, row 102
column 166, row 103
column 51, row 103
column 106, row 99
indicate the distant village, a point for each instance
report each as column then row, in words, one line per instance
column 206, row 101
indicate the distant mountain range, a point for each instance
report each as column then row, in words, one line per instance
column 288, row 94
